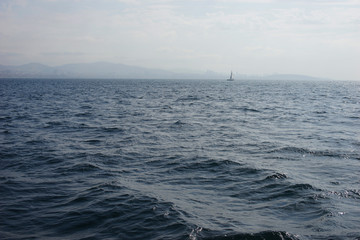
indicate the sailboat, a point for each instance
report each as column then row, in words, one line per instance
column 231, row 77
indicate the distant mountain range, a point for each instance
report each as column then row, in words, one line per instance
column 113, row 71
column 97, row 70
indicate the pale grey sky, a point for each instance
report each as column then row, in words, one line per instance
column 320, row 38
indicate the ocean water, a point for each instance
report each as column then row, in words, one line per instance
column 171, row 159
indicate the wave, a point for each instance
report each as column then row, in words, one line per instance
column 246, row 109
column 97, row 212
column 277, row 176
column 93, row 141
column 141, row 217
column 83, row 114
column 214, row 166
column 351, row 194
column 319, row 153
column 179, row 122
column 78, row 168
column 265, row 235
column 188, row 98
column 131, row 159
column 112, row 129
column 54, row 124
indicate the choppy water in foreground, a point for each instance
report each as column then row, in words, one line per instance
column 156, row 159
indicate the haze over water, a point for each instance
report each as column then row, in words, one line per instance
column 165, row 159
column 318, row 38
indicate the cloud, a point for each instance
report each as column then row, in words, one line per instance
column 198, row 33
column 54, row 54
column 332, row 2
column 265, row 51
column 10, row 54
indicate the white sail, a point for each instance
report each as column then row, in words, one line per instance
column 231, row 77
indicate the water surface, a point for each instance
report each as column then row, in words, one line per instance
column 166, row 159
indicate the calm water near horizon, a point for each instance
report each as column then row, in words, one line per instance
column 172, row 159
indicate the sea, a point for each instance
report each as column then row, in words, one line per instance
column 179, row 159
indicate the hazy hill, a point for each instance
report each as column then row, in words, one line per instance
column 96, row 70
column 30, row 70
column 112, row 70
column 291, row 77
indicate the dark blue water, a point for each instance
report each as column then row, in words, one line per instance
column 156, row 159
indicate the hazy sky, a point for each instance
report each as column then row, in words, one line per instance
column 314, row 37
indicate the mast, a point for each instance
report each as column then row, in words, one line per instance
column 231, row 77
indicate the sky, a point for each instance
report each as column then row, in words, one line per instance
column 320, row 38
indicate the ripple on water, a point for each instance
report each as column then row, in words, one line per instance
column 136, row 159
